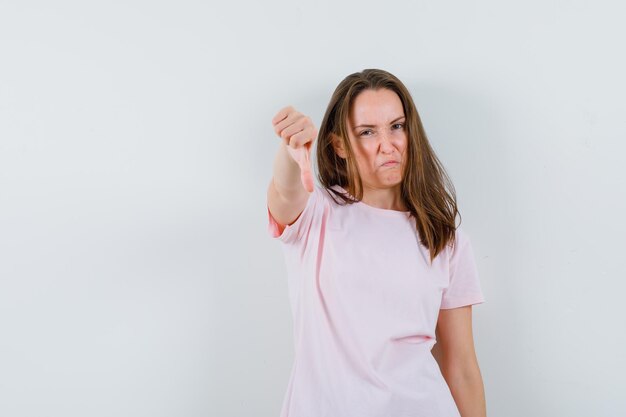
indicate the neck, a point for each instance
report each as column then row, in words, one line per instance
column 384, row 198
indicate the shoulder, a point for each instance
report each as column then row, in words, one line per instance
column 336, row 195
column 317, row 207
column 458, row 247
column 327, row 196
column 461, row 238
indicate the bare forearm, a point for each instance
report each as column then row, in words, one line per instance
column 286, row 196
column 468, row 392
column 292, row 181
column 286, row 174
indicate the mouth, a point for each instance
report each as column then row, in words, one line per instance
column 390, row 164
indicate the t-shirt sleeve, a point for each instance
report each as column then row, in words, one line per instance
column 464, row 285
column 299, row 229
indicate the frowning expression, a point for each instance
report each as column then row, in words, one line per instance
column 378, row 137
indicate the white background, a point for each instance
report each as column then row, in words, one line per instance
column 137, row 277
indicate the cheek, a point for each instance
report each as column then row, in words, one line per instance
column 370, row 147
column 365, row 150
column 404, row 144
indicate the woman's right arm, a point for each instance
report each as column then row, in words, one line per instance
column 291, row 183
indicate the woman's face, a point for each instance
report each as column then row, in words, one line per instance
column 378, row 136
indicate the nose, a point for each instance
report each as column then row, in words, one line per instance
column 386, row 143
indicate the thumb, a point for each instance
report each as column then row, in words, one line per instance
column 304, row 162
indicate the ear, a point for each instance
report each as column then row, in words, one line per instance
column 338, row 146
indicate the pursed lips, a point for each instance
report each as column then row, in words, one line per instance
column 390, row 163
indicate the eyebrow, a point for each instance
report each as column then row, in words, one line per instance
column 393, row 121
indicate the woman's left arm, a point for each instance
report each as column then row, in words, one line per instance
column 455, row 354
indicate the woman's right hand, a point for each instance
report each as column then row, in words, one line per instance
column 298, row 133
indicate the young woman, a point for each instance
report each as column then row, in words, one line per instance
column 381, row 280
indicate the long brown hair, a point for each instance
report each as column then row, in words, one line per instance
column 426, row 188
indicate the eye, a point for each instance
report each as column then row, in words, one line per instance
column 401, row 125
column 364, row 133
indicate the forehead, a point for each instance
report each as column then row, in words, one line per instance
column 376, row 107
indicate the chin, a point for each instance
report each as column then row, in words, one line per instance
column 394, row 181
column 390, row 184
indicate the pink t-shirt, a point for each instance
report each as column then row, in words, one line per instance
column 365, row 302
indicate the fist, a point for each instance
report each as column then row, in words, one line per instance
column 298, row 133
